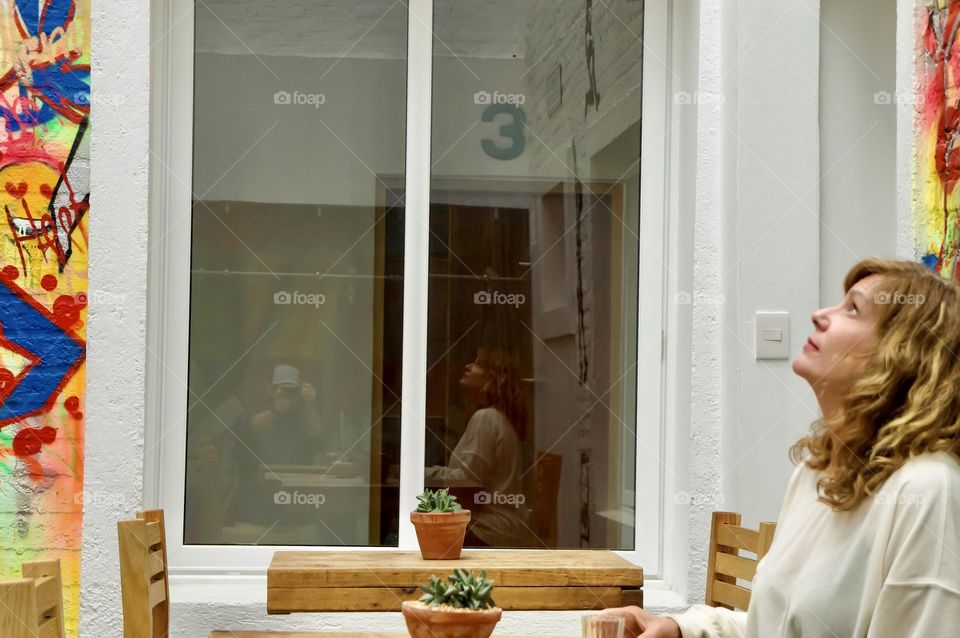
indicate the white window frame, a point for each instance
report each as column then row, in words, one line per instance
column 168, row 312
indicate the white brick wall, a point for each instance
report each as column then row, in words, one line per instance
column 556, row 35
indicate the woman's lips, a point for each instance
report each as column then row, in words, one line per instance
column 810, row 345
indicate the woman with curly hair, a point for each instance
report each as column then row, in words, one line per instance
column 488, row 454
column 868, row 540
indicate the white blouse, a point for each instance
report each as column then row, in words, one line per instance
column 488, row 454
column 890, row 568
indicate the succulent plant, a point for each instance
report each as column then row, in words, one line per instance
column 440, row 501
column 462, row 590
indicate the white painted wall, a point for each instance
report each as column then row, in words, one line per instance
column 858, row 137
column 776, row 233
column 116, row 338
column 697, row 331
column 908, row 191
column 740, row 163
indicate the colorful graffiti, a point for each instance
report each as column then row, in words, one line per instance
column 44, row 210
column 937, row 209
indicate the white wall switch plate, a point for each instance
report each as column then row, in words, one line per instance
column 773, row 335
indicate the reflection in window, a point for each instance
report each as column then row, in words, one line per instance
column 292, row 430
column 531, row 380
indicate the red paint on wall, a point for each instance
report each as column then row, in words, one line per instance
column 28, row 441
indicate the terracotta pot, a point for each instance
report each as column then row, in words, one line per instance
column 440, row 535
column 424, row 621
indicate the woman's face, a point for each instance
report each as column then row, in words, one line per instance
column 834, row 355
column 474, row 376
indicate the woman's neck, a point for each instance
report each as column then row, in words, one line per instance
column 829, row 404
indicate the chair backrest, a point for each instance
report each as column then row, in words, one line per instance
column 725, row 565
column 18, row 609
column 143, row 576
column 49, row 587
column 32, row 607
column 546, row 489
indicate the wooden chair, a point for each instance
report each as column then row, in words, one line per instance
column 546, row 489
column 725, row 564
column 33, row 606
column 143, row 576
column 144, row 586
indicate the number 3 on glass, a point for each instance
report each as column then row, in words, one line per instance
column 513, row 131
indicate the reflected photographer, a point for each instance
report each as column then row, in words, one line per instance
column 289, row 431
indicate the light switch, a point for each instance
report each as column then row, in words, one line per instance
column 773, row 335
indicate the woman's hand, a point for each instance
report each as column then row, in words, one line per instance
column 638, row 622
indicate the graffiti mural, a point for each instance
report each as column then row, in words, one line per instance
column 44, row 210
column 936, row 219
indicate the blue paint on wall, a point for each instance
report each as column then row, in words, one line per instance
column 55, row 353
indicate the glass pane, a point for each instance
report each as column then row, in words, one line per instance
column 293, row 416
column 533, row 268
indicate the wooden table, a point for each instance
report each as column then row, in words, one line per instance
column 381, row 581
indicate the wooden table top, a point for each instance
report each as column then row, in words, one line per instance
column 381, row 580
column 506, row 568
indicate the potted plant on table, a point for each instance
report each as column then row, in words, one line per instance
column 441, row 525
column 460, row 607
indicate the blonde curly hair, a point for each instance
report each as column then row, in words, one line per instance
column 907, row 401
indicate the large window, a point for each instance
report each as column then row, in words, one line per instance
column 531, row 334
column 409, row 255
column 292, row 437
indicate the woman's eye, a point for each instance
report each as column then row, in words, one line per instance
column 854, row 309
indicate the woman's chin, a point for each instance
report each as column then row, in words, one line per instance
column 802, row 366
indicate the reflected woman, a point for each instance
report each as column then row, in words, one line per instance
column 489, row 454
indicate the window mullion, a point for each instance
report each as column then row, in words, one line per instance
column 416, row 261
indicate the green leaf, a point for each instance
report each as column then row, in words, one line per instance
column 461, row 589
column 440, row 501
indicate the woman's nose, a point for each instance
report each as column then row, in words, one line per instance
column 819, row 319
